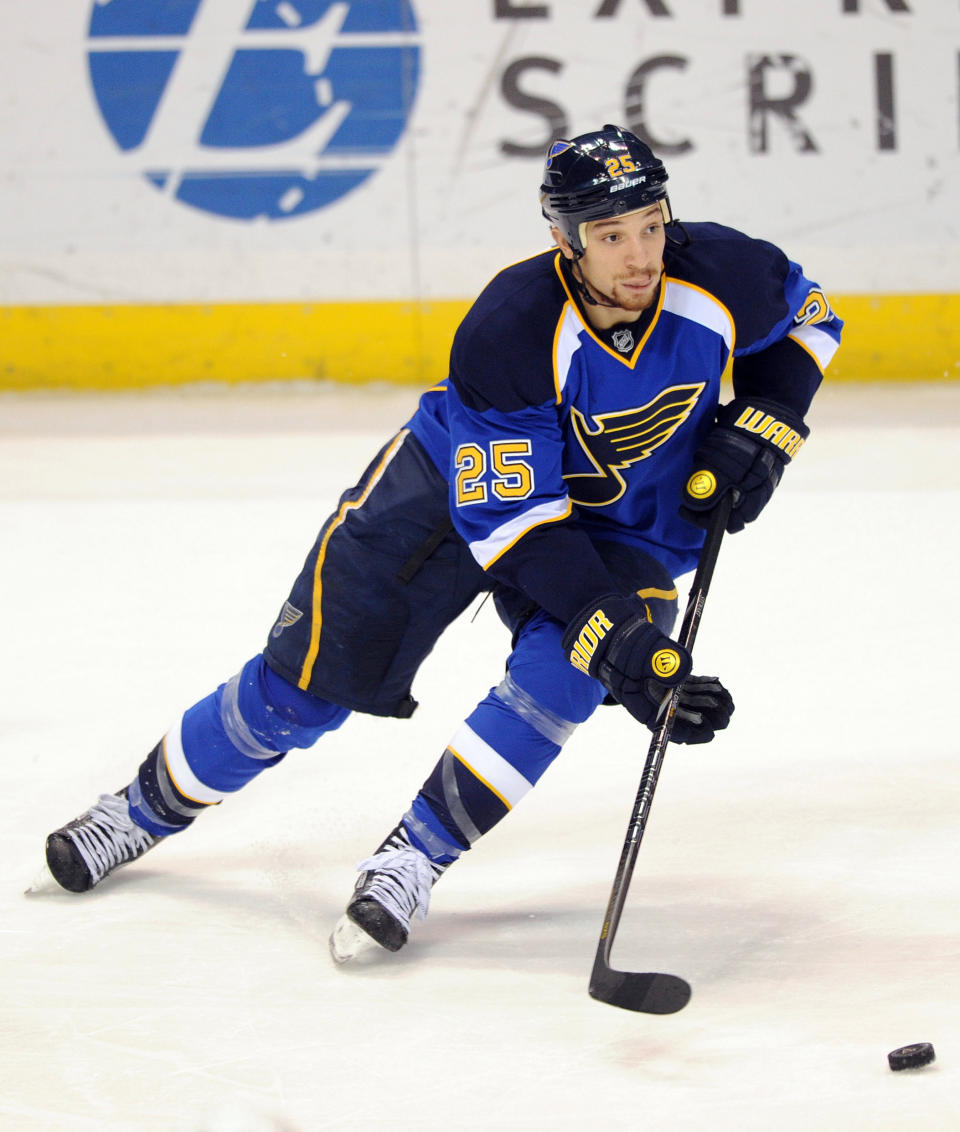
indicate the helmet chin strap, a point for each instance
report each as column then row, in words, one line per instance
column 603, row 301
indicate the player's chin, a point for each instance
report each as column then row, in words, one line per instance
column 634, row 298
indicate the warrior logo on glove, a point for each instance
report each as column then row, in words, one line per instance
column 614, row 641
column 743, row 455
column 701, row 485
column 587, row 640
column 665, row 663
column 767, row 427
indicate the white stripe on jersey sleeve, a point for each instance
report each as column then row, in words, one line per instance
column 567, row 343
column 487, row 551
column 490, row 767
column 690, row 302
column 816, row 342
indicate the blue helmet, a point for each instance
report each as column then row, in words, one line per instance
column 598, row 175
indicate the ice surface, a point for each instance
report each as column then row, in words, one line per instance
column 801, row 871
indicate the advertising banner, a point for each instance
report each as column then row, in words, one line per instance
column 261, row 189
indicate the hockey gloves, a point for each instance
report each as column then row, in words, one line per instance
column 745, row 452
column 614, row 641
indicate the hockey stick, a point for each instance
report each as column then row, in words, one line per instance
column 651, row 992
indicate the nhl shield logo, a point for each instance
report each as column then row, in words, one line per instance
column 623, row 340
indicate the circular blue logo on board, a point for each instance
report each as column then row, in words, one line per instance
column 254, row 108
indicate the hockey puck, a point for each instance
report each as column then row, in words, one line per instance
column 911, row 1057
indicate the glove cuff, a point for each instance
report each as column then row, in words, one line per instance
column 583, row 640
column 608, row 636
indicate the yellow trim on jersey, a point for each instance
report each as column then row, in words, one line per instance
column 806, row 349
column 631, row 361
column 711, row 297
column 557, row 335
column 821, row 346
column 526, row 530
column 664, row 595
column 316, row 623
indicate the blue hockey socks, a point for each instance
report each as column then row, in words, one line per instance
column 222, row 742
column 496, row 756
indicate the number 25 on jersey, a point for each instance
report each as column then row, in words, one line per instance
column 508, row 474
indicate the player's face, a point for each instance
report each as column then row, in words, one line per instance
column 622, row 263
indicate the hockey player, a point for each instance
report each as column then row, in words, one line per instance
column 568, row 464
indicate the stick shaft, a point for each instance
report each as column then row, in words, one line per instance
column 658, row 745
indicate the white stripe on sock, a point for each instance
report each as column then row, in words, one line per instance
column 180, row 773
column 489, row 766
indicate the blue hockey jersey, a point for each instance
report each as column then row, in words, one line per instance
column 553, row 435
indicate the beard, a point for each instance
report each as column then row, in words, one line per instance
column 621, row 297
column 633, row 301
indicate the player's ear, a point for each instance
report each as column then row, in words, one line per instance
column 561, row 241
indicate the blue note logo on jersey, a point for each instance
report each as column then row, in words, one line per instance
column 624, row 437
column 254, row 108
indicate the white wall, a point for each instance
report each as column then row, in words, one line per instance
column 447, row 205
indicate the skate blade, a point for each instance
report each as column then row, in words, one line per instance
column 43, row 884
column 349, row 942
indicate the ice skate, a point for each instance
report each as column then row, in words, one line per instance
column 95, row 844
column 393, row 886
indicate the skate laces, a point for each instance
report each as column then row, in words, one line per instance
column 401, row 879
column 106, row 837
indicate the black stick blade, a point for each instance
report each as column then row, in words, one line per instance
column 651, row 993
